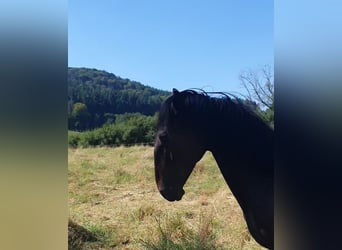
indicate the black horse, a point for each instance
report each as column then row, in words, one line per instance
column 192, row 122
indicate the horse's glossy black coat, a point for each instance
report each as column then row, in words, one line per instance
column 189, row 124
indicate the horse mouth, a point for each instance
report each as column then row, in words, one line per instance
column 171, row 194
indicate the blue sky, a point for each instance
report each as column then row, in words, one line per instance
column 166, row 44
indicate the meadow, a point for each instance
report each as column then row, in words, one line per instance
column 114, row 204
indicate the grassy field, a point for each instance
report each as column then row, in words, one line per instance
column 114, row 204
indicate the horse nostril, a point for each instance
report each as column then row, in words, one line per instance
column 163, row 189
column 162, row 192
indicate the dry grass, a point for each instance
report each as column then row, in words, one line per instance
column 112, row 195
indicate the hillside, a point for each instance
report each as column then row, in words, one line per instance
column 104, row 94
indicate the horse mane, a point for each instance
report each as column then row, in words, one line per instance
column 197, row 109
column 223, row 103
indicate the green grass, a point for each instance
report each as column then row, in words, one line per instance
column 113, row 196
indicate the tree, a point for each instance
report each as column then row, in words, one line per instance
column 80, row 117
column 259, row 86
column 260, row 89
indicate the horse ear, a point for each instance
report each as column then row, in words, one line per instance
column 175, row 91
column 174, row 109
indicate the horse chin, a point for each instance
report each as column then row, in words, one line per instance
column 173, row 196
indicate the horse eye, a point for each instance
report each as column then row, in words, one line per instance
column 163, row 137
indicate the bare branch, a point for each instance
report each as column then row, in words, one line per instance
column 259, row 85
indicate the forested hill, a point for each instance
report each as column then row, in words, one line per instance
column 101, row 95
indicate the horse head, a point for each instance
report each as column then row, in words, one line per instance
column 177, row 148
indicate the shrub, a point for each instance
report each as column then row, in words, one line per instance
column 73, row 139
column 128, row 129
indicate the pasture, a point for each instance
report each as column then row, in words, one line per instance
column 114, row 204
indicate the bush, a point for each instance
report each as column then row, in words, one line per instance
column 73, row 139
column 128, row 129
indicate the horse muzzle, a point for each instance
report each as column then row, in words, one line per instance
column 172, row 193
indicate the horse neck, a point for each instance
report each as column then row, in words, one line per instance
column 244, row 156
